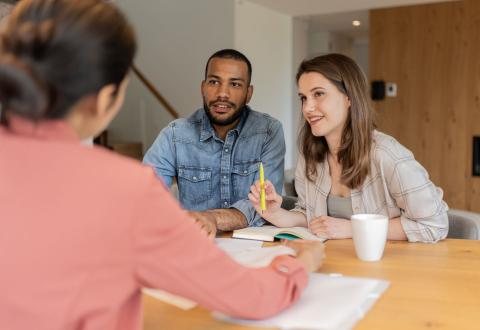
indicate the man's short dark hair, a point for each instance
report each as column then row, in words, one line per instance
column 234, row 55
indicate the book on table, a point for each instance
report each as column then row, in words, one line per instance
column 269, row 233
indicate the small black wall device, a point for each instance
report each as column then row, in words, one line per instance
column 378, row 90
column 476, row 156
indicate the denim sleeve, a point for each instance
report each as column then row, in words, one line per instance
column 161, row 156
column 273, row 159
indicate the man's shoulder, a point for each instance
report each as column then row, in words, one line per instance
column 192, row 121
column 185, row 128
column 260, row 122
column 262, row 116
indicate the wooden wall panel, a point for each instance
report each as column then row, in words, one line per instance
column 432, row 52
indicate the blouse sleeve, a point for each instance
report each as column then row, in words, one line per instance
column 300, row 187
column 423, row 212
column 173, row 255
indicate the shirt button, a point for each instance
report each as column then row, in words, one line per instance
column 226, row 150
column 245, row 172
column 195, row 178
column 224, row 176
column 225, row 203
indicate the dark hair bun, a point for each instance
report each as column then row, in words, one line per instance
column 20, row 90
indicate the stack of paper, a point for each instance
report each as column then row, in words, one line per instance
column 328, row 303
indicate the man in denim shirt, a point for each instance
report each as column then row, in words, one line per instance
column 215, row 153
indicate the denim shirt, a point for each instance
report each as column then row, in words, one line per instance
column 212, row 173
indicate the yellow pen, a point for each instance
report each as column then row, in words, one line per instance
column 263, row 204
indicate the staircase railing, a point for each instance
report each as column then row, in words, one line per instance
column 155, row 92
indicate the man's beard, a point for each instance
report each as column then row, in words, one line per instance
column 227, row 121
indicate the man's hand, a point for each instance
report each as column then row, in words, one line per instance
column 206, row 222
column 310, row 253
column 331, row 228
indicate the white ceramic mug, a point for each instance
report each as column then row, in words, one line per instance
column 369, row 235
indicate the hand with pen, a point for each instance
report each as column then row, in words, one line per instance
column 264, row 197
column 273, row 201
column 268, row 203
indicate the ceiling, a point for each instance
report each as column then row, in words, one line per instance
column 336, row 16
column 340, row 23
column 316, row 7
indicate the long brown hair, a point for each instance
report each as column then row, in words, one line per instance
column 356, row 141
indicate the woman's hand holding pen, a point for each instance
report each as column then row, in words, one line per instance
column 272, row 199
column 272, row 211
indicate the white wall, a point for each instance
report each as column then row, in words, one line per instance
column 324, row 42
column 360, row 54
column 300, row 53
column 175, row 38
column 265, row 37
column 319, row 43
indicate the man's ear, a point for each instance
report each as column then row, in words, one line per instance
column 106, row 98
column 249, row 93
column 202, row 86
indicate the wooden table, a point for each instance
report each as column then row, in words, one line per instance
column 432, row 286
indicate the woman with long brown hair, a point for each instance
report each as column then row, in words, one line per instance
column 347, row 167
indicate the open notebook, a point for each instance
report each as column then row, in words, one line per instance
column 269, row 233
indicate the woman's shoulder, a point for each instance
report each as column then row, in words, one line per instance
column 386, row 147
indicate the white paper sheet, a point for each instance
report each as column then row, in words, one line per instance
column 250, row 253
column 231, row 244
column 328, row 303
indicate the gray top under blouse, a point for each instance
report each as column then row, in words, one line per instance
column 339, row 207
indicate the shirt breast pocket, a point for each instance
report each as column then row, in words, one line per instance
column 195, row 184
column 243, row 176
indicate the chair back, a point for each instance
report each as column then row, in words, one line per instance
column 463, row 224
column 288, row 202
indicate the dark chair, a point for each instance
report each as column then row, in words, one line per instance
column 463, row 224
column 288, row 202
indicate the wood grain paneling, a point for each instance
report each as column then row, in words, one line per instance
column 432, row 52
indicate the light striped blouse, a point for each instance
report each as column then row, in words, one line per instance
column 397, row 186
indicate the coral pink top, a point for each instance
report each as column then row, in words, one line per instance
column 83, row 230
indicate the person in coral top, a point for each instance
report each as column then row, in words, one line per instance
column 83, row 229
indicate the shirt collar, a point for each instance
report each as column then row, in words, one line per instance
column 42, row 130
column 207, row 130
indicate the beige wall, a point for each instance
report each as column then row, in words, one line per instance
column 433, row 53
column 175, row 40
column 265, row 37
